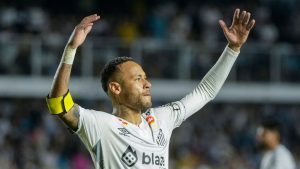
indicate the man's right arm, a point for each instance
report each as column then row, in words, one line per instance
column 60, row 85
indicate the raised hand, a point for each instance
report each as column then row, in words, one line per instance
column 81, row 30
column 238, row 32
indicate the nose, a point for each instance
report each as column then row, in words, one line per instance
column 147, row 84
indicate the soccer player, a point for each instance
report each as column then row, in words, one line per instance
column 135, row 135
column 276, row 155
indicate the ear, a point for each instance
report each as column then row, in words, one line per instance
column 114, row 87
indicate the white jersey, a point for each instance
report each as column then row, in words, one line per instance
column 115, row 143
column 279, row 158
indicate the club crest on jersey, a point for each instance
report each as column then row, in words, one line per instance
column 129, row 157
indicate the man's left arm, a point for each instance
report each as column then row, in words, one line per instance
column 210, row 85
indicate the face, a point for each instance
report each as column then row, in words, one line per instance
column 266, row 137
column 134, row 87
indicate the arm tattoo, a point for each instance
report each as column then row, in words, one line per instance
column 76, row 111
column 71, row 119
column 75, row 119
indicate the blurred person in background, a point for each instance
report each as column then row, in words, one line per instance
column 275, row 154
column 136, row 135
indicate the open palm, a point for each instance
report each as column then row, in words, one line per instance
column 239, row 30
column 81, row 30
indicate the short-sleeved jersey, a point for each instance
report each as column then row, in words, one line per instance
column 115, row 143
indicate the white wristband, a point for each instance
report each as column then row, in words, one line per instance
column 68, row 55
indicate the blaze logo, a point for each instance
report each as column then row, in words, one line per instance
column 153, row 159
column 129, row 157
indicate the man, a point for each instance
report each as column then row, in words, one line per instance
column 136, row 135
column 276, row 155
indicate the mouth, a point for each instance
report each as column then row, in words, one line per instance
column 147, row 94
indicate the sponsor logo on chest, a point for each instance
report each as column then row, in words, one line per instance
column 130, row 158
column 153, row 159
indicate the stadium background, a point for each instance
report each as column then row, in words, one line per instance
column 176, row 42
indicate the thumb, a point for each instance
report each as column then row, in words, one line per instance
column 224, row 27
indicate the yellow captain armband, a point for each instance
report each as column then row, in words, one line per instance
column 60, row 104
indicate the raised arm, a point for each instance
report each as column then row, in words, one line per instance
column 210, row 85
column 60, row 85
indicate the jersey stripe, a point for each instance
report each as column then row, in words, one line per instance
column 97, row 150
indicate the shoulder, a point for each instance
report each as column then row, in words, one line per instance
column 283, row 150
column 93, row 122
column 284, row 154
column 173, row 106
column 93, row 113
column 173, row 112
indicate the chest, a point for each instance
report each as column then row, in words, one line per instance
column 121, row 132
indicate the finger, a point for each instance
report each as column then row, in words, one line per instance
column 236, row 16
column 84, row 26
column 250, row 25
column 91, row 18
column 224, row 27
column 242, row 16
column 247, row 18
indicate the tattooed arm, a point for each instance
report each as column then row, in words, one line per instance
column 60, row 84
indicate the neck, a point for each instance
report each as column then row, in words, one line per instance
column 126, row 113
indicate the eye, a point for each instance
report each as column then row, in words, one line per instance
column 138, row 78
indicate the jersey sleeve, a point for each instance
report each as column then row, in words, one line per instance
column 90, row 126
column 171, row 114
column 205, row 91
column 211, row 84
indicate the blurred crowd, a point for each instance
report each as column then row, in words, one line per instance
column 220, row 136
column 179, row 22
column 176, row 20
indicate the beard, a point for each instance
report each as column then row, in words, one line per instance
column 144, row 103
column 261, row 146
column 138, row 102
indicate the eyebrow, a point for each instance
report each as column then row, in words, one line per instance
column 140, row 75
